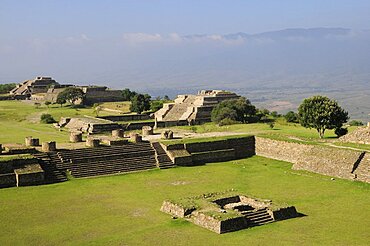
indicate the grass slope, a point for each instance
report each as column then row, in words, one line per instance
column 124, row 209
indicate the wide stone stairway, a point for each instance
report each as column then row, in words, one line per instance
column 49, row 164
column 104, row 160
column 163, row 161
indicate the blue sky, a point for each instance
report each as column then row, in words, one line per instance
column 110, row 18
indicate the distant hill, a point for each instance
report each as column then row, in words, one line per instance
column 283, row 65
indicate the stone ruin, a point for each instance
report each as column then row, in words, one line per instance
column 192, row 109
column 147, row 130
column 228, row 211
column 87, row 124
column 167, row 134
column 29, row 87
column 361, row 135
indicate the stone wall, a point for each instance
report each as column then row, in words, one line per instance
column 176, row 210
column 206, row 221
column 129, row 117
column 212, row 151
column 7, row 180
column 284, row 213
column 329, row 161
column 213, row 156
column 280, row 150
column 337, row 162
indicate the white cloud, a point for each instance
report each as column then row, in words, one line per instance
column 134, row 38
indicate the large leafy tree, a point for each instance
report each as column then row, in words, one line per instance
column 321, row 113
column 236, row 110
column 140, row 103
column 71, row 94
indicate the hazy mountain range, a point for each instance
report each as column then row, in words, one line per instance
column 275, row 69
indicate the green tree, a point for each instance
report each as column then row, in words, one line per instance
column 6, row 88
column 61, row 100
column 240, row 110
column 321, row 113
column 291, row 117
column 71, row 94
column 140, row 103
column 156, row 105
column 128, row 95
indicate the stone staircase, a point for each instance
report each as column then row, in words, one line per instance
column 176, row 112
column 106, row 160
column 257, row 218
column 163, row 161
column 49, row 165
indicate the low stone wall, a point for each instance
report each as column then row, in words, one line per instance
column 29, row 175
column 280, row 150
column 206, row 221
column 180, row 157
column 7, row 180
column 174, row 209
column 337, row 162
column 329, row 161
column 284, row 213
column 130, row 117
column 213, row 156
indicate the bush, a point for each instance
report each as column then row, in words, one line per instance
column 237, row 110
column 47, row 119
column 291, row 117
column 355, row 123
column 341, row 131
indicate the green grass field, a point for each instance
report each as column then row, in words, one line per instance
column 124, row 209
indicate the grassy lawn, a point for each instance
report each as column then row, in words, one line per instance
column 124, row 209
column 19, row 119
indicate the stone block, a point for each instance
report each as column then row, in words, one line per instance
column 75, row 137
column 147, row 130
column 30, row 141
column 92, row 142
column 136, row 138
column 118, row 133
column 49, row 146
column 167, row 134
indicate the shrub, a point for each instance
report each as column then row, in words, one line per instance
column 355, row 123
column 291, row 117
column 47, row 119
column 341, row 131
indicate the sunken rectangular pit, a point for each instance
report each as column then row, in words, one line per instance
column 227, row 211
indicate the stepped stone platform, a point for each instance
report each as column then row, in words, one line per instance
column 198, row 153
column 192, row 109
column 102, row 160
column 227, row 211
column 361, row 135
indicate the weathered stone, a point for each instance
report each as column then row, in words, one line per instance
column 147, row 130
column 75, row 137
column 167, row 134
column 29, row 141
column 118, row 133
column 136, row 138
column 92, row 142
column 49, row 146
